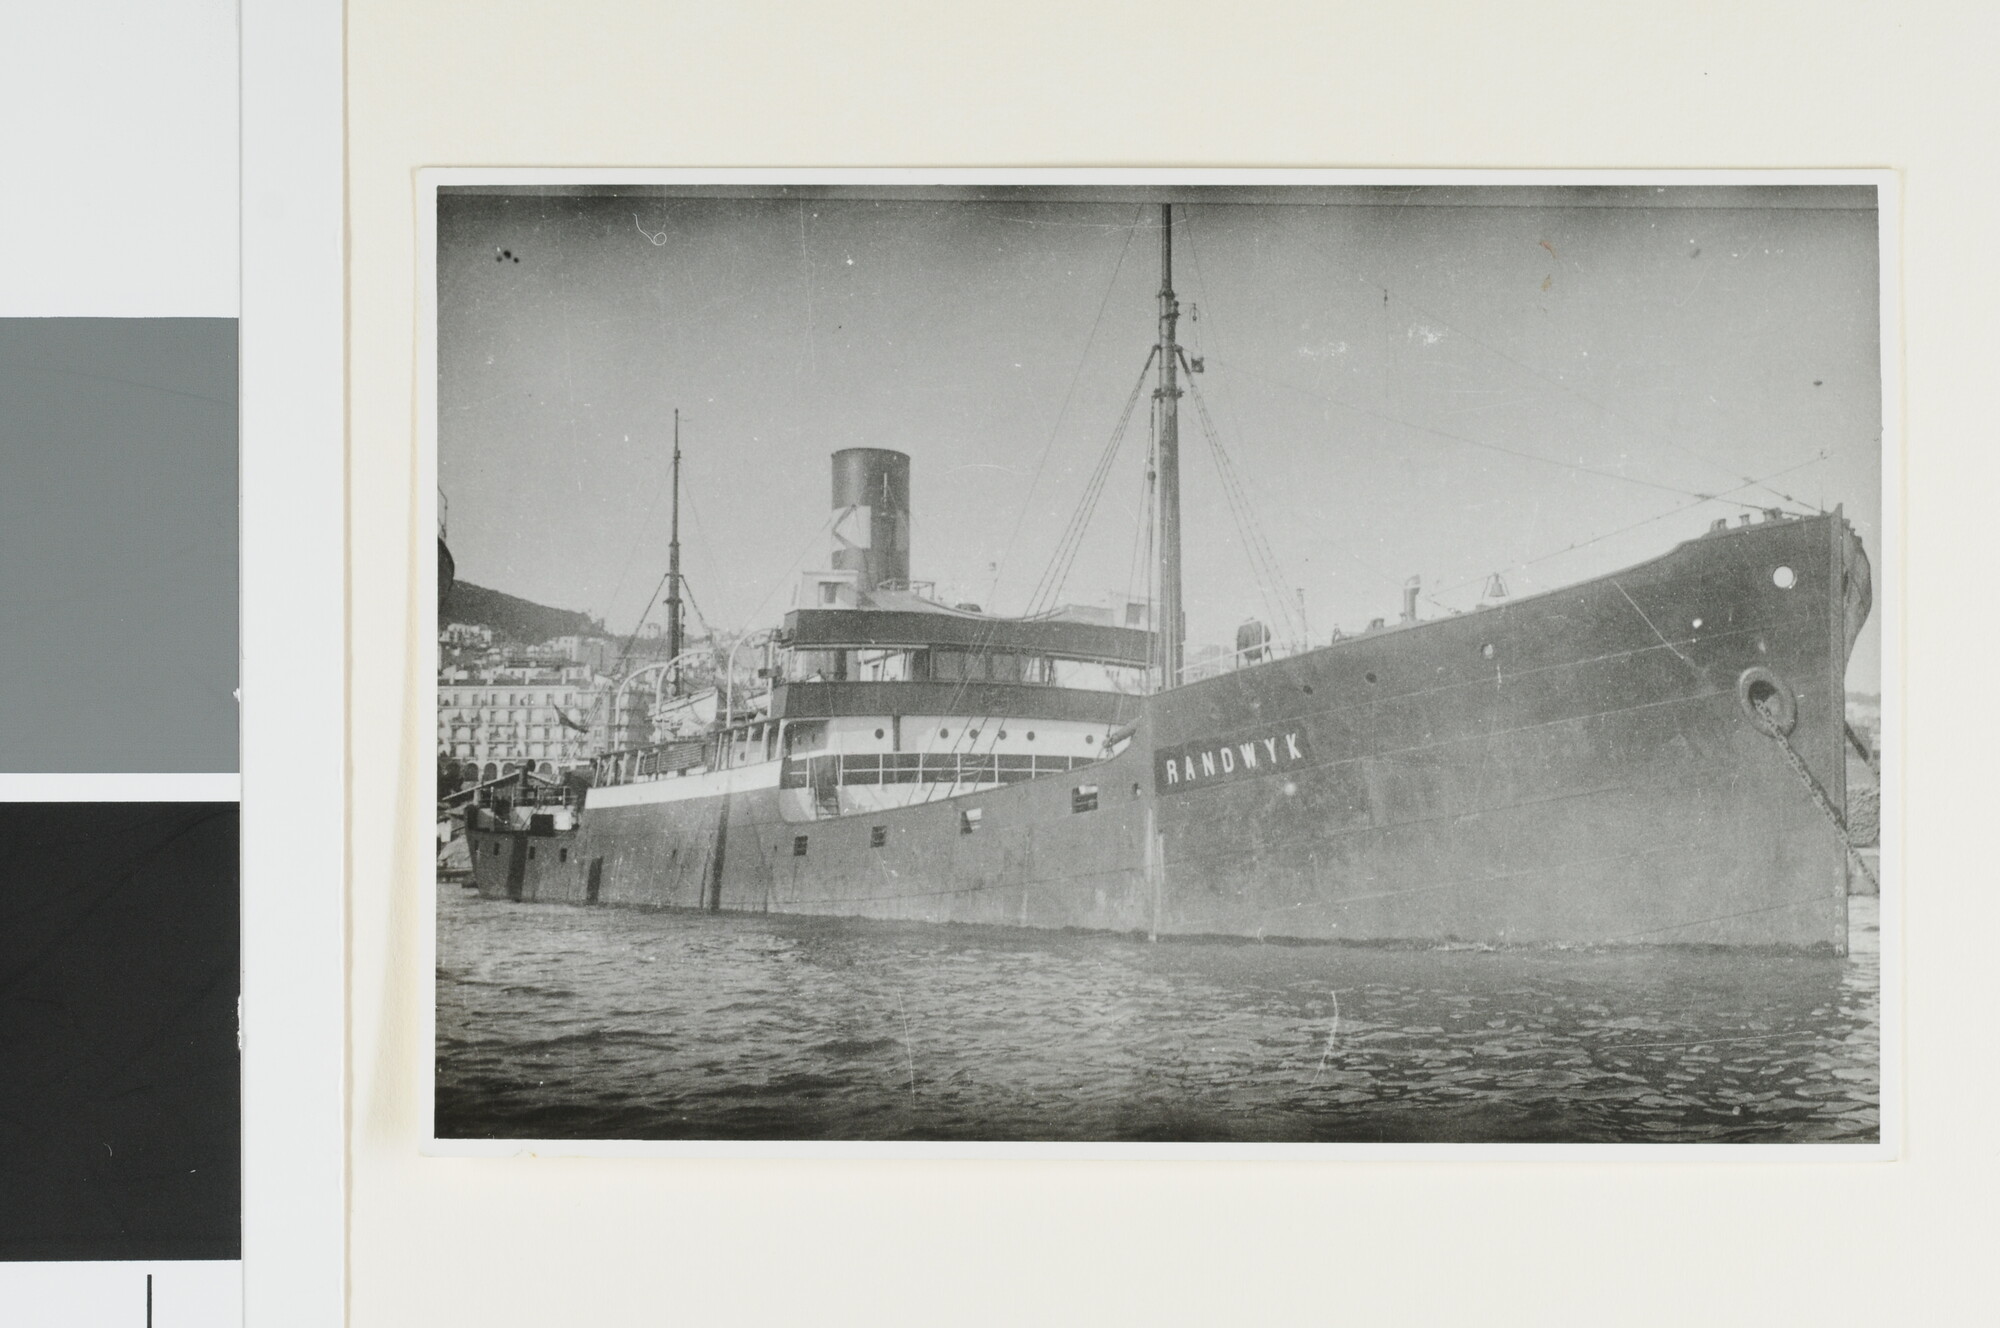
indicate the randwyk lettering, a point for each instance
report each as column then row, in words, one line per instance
column 1218, row 760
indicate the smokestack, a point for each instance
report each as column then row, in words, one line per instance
column 871, row 525
column 1410, row 589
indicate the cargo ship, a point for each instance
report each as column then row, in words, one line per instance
column 1652, row 757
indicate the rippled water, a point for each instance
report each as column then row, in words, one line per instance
column 557, row 1022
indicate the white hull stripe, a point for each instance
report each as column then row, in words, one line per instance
column 682, row 788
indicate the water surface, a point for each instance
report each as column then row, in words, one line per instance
column 560, row 1022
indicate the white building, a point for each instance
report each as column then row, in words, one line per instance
column 499, row 724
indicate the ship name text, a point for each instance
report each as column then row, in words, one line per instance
column 1217, row 760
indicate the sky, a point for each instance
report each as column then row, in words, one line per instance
column 1446, row 382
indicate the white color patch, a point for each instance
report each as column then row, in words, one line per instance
column 187, row 1293
column 121, row 788
column 295, row 918
column 120, row 159
column 680, row 788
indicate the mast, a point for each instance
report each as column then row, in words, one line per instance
column 1171, row 628
column 674, row 566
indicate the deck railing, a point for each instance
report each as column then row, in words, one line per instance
column 637, row 765
column 535, row 795
column 1212, row 666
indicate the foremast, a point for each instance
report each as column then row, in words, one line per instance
column 1171, row 628
column 674, row 567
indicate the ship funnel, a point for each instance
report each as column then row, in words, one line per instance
column 1410, row 589
column 871, row 522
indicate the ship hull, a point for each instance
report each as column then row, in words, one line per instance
column 1653, row 757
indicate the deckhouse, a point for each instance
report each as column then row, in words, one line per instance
column 879, row 695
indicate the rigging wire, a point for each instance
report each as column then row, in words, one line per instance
column 985, row 645
column 1049, row 586
column 792, row 571
column 1069, row 396
column 654, row 599
column 1753, row 482
column 1656, row 434
column 703, row 542
column 688, row 591
column 1431, row 595
column 1155, row 649
column 1140, row 526
column 638, row 537
column 1748, row 482
column 1577, row 466
column 1264, row 565
column 1228, row 401
column 1243, row 519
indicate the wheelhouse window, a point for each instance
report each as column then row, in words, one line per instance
column 804, row 736
column 880, row 666
column 1097, row 676
column 957, row 666
column 816, row 666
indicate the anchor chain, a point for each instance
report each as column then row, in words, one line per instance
column 1825, row 804
column 1861, row 748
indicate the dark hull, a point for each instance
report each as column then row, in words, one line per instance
column 1594, row 778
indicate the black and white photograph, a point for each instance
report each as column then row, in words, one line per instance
column 1106, row 661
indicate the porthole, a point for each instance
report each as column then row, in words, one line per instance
column 878, row 733
column 1003, row 735
column 944, row 733
column 1784, row 578
column 972, row 735
column 1369, row 676
column 1089, row 739
column 1031, row 735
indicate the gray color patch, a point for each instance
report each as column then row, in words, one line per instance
column 118, row 545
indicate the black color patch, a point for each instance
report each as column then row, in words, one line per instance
column 119, row 1076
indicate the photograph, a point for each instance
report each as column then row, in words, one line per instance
column 1097, row 661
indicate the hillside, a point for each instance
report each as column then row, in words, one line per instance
column 512, row 618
